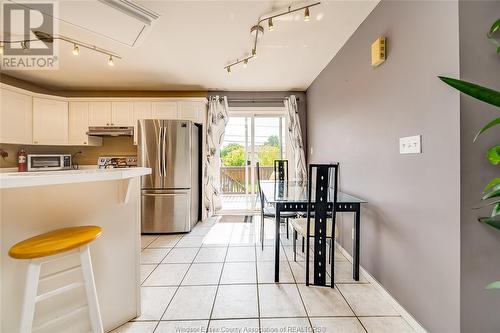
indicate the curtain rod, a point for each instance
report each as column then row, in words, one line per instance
column 264, row 100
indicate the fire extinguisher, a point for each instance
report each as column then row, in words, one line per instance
column 22, row 160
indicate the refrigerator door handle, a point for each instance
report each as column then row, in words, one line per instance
column 159, row 152
column 164, row 151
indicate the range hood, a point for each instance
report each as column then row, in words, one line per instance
column 111, row 131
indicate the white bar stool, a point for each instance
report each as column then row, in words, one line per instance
column 38, row 250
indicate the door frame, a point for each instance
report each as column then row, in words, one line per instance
column 251, row 177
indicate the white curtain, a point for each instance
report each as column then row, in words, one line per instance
column 295, row 137
column 216, row 126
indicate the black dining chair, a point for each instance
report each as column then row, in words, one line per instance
column 319, row 223
column 267, row 210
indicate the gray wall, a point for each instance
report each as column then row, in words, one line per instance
column 254, row 97
column 356, row 114
column 480, row 244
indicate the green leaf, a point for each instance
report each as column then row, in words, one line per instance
column 489, row 125
column 491, row 203
column 486, row 95
column 493, row 155
column 496, row 210
column 492, row 183
column 491, row 221
column 494, row 28
column 494, row 285
column 495, row 192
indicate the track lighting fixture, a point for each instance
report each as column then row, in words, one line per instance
column 307, row 15
column 48, row 38
column 257, row 31
column 270, row 23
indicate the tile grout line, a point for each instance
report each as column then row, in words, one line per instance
column 297, row 287
column 220, row 278
column 177, row 289
column 257, row 283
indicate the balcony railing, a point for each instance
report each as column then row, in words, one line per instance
column 232, row 179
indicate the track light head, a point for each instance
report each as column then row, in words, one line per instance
column 110, row 61
column 76, row 50
column 25, row 45
column 229, row 70
column 307, row 15
column 270, row 23
column 245, row 63
column 254, row 53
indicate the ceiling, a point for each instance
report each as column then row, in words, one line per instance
column 191, row 42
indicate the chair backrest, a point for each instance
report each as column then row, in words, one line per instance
column 325, row 187
column 281, row 170
column 261, row 195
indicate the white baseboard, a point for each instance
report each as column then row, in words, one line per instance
column 405, row 314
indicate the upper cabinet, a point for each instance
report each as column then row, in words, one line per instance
column 99, row 113
column 122, row 113
column 31, row 118
column 192, row 110
column 142, row 110
column 164, row 110
column 16, row 117
column 50, row 121
column 78, row 126
column 111, row 113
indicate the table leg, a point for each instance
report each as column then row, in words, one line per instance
column 355, row 263
column 277, row 246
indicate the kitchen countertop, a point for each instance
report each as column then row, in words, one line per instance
column 41, row 178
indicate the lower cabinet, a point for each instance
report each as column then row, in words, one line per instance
column 50, row 122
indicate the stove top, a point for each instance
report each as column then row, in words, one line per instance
column 111, row 162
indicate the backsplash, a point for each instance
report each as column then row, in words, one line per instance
column 114, row 146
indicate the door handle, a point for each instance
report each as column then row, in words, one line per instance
column 165, row 151
column 159, row 153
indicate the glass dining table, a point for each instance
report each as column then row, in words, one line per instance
column 291, row 196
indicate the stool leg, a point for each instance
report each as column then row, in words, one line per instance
column 30, row 293
column 90, row 290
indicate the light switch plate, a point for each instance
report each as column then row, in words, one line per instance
column 410, row 145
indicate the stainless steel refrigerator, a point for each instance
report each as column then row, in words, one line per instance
column 171, row 193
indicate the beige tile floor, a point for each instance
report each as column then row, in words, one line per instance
column 217, row 279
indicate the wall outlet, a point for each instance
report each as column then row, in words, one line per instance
column 410, row 145
column 352, row 233
column 312, row 151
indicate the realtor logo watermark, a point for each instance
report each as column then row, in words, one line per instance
column 22, row 49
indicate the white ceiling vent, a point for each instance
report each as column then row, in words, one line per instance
column 122, row 21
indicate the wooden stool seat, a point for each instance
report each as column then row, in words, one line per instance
column 54, row 242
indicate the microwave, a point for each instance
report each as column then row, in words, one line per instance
column 48, row 162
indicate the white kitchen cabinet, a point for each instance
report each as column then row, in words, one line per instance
column 122, row 114
column 50, row 121
column 193, row 111
column 142, row 110
column 99, row 113
column 16, row 117
column 164, row 110
column 78, row 120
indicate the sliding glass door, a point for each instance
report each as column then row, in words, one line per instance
column 250, row 138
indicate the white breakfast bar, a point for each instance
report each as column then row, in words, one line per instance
column 34, row 203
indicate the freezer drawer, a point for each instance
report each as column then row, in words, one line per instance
column 166, row 211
